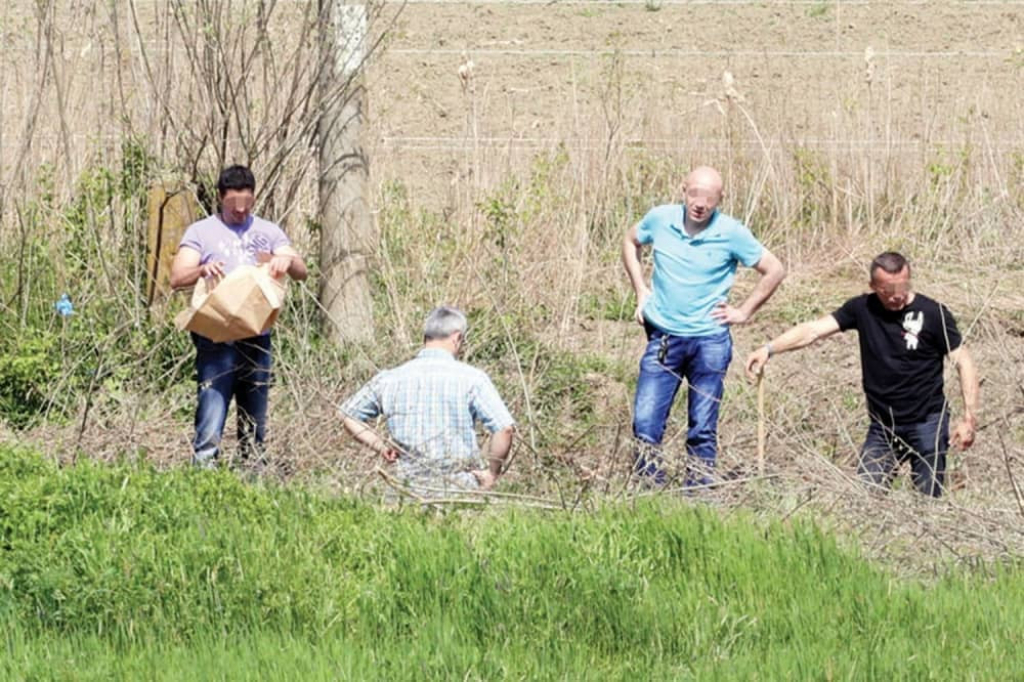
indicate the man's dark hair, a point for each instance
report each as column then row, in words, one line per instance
column 236, row 177
column 891, row 262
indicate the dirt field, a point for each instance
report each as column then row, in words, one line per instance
column 899, row 79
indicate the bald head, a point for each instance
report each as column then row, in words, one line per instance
column 702, row 191
column 704, row 177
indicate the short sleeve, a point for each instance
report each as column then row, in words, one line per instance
column 948, row 331
column 278, row 238
column 365, row 403
column 645, row 228
column 846, row 315
column 487, row 406
column 744, row 246
column 191, row 239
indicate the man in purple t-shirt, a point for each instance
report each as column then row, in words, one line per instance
column 212, row 248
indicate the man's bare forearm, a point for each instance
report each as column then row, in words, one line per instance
column 794, row 338
column 185, row 277
column 365, row 434
column 631, row 262
column 500, row 446
column 970, row 389
column 772, row 273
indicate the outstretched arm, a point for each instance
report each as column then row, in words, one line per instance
column 631, row 249
column 963, row 435
column 772, row 273
column 796, row 337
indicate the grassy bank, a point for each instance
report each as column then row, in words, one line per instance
column 125, row 571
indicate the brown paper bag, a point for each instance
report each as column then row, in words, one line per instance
column 244, row 303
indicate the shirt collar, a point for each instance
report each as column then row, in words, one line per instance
column 438, row 353
column 249, row 219
column 681, row 229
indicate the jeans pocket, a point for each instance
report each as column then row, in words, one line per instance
column 715, row 352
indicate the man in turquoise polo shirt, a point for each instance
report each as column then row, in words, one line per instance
column 687, row 315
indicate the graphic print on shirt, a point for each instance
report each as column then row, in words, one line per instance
column 912, row 325
column 243, row 250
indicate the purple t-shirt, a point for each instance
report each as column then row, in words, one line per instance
column 235, row 245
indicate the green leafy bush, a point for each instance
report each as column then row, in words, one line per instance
column 29, row 365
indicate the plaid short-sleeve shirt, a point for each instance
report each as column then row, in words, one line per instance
column 431, row 405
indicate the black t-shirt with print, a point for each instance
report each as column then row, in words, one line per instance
column 901, row 355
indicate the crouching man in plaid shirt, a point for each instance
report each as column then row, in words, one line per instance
column 430, row 405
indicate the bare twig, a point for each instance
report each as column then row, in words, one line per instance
column 1009, row 468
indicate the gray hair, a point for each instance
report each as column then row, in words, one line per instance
column 442, row 322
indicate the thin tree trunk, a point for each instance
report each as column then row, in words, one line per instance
column 347, row 231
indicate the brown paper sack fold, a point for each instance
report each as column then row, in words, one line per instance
column 244, row 303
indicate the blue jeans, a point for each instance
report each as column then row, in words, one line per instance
column 240, row 369
column 925, row 444
column 702, row 361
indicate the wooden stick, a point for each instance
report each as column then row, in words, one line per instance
column 760, row 422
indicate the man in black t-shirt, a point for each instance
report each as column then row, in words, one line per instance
column 904, row 338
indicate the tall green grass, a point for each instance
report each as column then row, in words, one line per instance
column 122, row 571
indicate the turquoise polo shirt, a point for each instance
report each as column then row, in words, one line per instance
column 692, row 274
